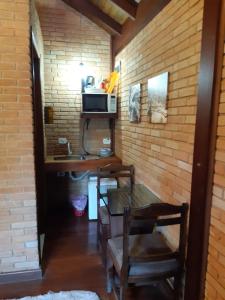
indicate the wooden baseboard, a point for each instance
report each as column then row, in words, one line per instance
column 20, row 276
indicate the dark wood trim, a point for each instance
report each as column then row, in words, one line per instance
column 129, row 7
column 20, row 276
column 92, row 12
column 87, row 115
column 38, row 141
column 112, row 58
column 146, row 11
column 52, row 165
column 204, row 152
column 112, row 134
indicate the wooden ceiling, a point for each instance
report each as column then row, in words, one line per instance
column 118, row 10
column 109, row 14
column 123, row 19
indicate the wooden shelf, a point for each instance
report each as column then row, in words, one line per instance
column 52, row 165
column 88, row 115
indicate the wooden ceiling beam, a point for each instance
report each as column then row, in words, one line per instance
column 146, row 11
column 128, row 6
column 92, row 12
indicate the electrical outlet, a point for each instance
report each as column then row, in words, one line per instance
column 106, row 141
column 62, row 140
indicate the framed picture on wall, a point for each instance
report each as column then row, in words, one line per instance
column 118, row 67
column 157, row 98
column 135, row 103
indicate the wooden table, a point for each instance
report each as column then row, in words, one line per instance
column 140, row 196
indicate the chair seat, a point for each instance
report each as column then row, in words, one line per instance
column 103, row 215
column 145, row 246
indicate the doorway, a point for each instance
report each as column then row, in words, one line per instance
column 38, row 147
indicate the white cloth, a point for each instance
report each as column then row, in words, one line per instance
column 71, row 295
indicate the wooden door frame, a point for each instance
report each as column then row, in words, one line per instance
column 38, row 140
column 204, row 148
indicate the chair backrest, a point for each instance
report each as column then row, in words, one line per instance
column 117, row 172
column 158, row 214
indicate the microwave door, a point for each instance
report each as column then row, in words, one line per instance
column 95, row 103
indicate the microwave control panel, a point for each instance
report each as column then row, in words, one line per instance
column 113, row 103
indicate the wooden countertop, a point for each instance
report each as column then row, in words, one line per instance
column 52, row 165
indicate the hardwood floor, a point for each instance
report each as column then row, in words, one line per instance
column 71, row 262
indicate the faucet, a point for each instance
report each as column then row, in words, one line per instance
column 69, row 150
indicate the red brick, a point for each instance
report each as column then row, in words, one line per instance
column 16, row 120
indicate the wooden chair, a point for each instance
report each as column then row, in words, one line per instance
column 120, row 173
column 142, row 258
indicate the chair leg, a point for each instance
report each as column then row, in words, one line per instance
column 178, row 287
column 109, row 278
column 104, row 254
column 109, row 272
column 123, row 291
column 102, row 246
column 104, row 241
column 98, row 233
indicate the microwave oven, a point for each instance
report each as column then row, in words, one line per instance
column 99, row 103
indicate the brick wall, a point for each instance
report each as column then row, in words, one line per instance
column 18, row 227
column 70, row 38
column 215, row 281
column 163, row 153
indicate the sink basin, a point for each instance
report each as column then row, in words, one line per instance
column 69, row 157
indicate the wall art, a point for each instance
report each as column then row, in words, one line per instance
column 135, row 103
column 157, row 98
